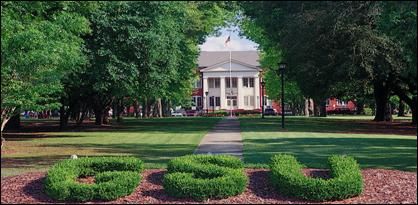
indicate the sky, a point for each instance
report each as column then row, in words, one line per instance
column 237, row 43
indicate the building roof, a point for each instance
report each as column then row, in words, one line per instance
column 208, row 58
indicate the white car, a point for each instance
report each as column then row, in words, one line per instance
column 176, row 114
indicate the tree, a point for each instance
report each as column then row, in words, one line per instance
column 325, row 42
column 40, row 42
column 142, row 51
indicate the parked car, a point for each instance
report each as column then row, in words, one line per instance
column 270, row 111
column 286, row 112
column 177, row 114
column 193, row 113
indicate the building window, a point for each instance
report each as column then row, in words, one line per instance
column 197, row 83
column 248, row 82
column 214, row 82
column 218, row 101
column 233, row 99
column 211, row 101
column 193, row 101
column 211, row 82
column 251, row 100
column 199, row 101
column 234, row 82
column 217, row 82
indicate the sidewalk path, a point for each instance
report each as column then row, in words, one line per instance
column 224, row 138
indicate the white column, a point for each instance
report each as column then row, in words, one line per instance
column 256, row 93
column 240, row 96
column 223, row 97
column 205, row 89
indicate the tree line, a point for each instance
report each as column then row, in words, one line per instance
column 347, row 49
column 82, row 57
column 89, row 57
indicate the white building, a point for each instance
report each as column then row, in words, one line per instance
column 214, row 90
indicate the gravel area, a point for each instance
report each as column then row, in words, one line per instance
column 381, row 186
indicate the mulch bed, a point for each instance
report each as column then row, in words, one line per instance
column 381, row 186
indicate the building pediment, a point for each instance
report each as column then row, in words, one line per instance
column 236, row 66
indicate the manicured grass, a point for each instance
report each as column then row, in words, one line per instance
column 312, row 140
column 155, row 141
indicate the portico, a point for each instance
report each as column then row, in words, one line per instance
column 235, row 88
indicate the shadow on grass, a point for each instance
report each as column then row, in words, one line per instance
column 155, row 155
column 326, row 125
column 169, row 125
column 313, row 152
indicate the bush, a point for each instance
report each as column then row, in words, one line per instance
column 368, row 111
column 114, row 176
column 346, row 179
column 205, row 176
column 248, row 112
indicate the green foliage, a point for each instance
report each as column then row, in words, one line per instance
column 145, row 51
column 346, row 179
column 40, row 42
column 357, row 44
column 201, row 177
column 247, row 112
column 114, row 177
column 368, row 111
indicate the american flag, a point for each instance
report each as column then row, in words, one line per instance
column 227, row 40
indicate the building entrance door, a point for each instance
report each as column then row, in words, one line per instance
column 232, row 100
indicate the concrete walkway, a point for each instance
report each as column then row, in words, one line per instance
column 224, row 138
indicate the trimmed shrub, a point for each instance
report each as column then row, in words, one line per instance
column 346, row 181
column 114, row 177
column 201, row 177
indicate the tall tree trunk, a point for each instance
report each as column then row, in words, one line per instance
column 311, row 106
column 106, row 115
column 360, row 107
column 317, row 109
column 119, row 107
column 306, row 107
column 99, row 116
column 413, row 107
column 13, row 123
column 83, row 115
column 136, row 110
column 144, row 104
column 388, row 113
column 159, row 106
column 114, row 109
column 63, row 117
column 381, row 96
column 323, row 108
column 401, row 110
column 4, row 121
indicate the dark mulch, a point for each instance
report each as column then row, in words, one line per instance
column 381, row 186
column 86, row 180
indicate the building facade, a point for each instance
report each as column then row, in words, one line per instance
column 239, row 88
column 226, row 84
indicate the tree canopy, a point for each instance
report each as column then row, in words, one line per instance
column 331, row 44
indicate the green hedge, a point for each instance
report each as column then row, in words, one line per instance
column 205, row 176
column 288, row 178
column 114, row 177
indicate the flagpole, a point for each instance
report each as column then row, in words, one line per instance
column 230, row 79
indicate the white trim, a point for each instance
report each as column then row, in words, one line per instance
column 208, row 68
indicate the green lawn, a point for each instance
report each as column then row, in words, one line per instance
column 153, row 140
column 312, row 140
